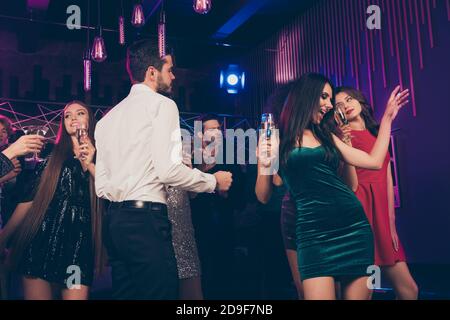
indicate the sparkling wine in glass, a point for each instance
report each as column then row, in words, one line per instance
column 267, row 127
column 81, row 133
column 267, row 124
column 339, row 115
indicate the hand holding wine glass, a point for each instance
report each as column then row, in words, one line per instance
column 342, row 122
column 35, row 130
column 24, row 145
column 87, row 151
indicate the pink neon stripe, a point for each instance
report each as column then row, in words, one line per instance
column 310, row 69
column 422, row 9
column 383, row 63
column 419, row 38
column 341, row 32
column 360, row 13
column 303, row 47
column 411, row 76
column 430, row 26
column 349, row 41
column 355, row 57
column 333, row 36
column 369, row 71
column 394, row 14
column 448, row 10
column 284, row 56
column 400, row 19
column 341, row 42
column 411, row 14
column 372, row 49
column 397, row 51
column 391, row 39
column 289, row 54
column 381, row 47
column 316, row 40
column 296, row 50
column 306, row 39
column 322, row 44
column 327, row 54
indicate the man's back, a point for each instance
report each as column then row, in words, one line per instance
column 139, row 150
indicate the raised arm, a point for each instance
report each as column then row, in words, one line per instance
column 375, row 159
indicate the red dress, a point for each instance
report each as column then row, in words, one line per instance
column 372, row 193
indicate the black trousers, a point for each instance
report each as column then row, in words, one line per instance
column 141, row 255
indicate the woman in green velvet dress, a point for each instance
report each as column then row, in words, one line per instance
column 334, row 238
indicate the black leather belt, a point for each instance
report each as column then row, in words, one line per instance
column 137, row 204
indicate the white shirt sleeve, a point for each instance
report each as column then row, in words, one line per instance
column 167, row 158
column 100, row 172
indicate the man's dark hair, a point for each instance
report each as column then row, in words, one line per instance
column 209, row 116
column 140, row 56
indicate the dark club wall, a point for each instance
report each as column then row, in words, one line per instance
column 412, row 49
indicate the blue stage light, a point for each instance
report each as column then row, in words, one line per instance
column 232, row 79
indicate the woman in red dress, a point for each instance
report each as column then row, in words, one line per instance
column 375, row 191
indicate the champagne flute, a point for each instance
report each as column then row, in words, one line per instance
column 267, row 127
column 339, row 115
column 267, row 124
column 81, row 134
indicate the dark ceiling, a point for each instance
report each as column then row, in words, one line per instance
column 230, row 29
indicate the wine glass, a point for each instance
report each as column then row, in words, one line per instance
column 339, row 115
column 81, row 133
column 267, row 124
column 267, row 127
column 39, row 130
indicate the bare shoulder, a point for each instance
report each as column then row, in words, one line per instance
column 308, row 140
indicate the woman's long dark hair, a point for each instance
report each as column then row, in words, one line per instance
column 302, row 103
column 62, row 151
column 366, row 109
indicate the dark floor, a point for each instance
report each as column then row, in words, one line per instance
column 430, row 278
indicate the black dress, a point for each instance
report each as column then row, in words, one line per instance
column 6, row 166
column 64, row 239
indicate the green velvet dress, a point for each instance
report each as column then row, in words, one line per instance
column 334, row 237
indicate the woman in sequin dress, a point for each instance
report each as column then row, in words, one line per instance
column 57, row 237
column 183, row 239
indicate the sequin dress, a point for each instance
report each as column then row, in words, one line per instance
column 63, row 242
column 183, row 235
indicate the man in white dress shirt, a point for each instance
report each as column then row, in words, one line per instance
column 139, row 152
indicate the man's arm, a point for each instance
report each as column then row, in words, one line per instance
column 166, row 146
